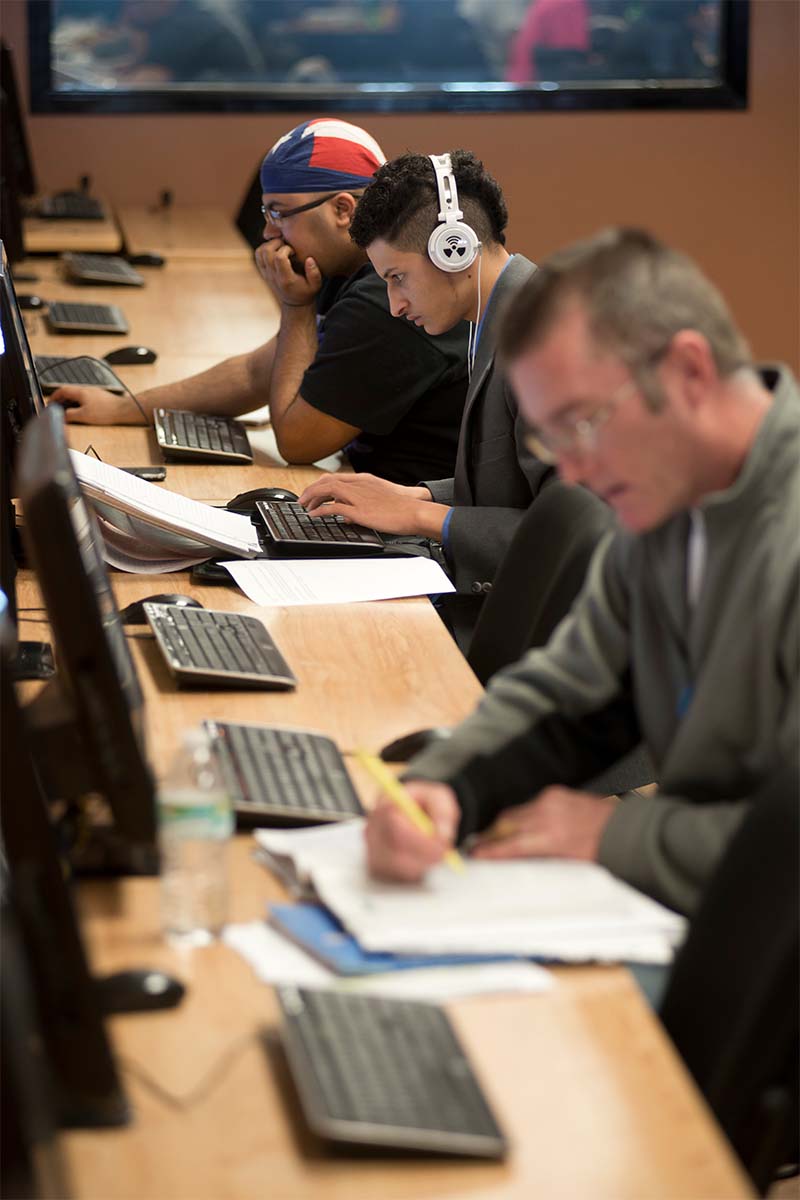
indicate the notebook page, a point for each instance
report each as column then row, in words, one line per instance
column 209, row 525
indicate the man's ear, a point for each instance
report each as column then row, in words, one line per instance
column 691, row 354
column 344, row 207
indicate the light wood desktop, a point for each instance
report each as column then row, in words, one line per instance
column 183, row 232
column 187, row 309
column 42, row 236
column 584, row 1081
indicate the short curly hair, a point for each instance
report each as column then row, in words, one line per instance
column 401, row 205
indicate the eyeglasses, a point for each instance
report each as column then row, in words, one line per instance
column 578, row 436
column 276, row 216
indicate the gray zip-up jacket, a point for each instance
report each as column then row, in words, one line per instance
column 715, row 698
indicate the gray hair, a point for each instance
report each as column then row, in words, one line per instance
column 637, row 294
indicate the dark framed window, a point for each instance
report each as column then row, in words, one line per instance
column 106, row 56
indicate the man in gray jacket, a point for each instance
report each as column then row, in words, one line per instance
column 404, row 221
column 634, row 380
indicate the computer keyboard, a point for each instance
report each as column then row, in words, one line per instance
column 55, row 371
column 65, row 316
column 386, row 1073
column 284, row 776
column 70, row 206
column 290, row 527
column 101, row 268
column 190, row 435
column 217, row 649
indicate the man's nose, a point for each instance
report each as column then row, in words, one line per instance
column 397, row 305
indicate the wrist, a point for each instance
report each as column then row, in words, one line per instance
column 429, row 519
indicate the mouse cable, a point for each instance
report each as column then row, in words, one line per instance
column 100, row 362
column 201, row 1090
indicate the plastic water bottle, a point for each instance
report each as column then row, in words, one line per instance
column 196, row 822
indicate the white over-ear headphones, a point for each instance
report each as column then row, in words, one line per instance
column 453, row 245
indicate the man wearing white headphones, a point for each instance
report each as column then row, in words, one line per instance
column 433, row 227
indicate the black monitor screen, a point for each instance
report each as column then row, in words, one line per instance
column 16, row 151
column 87, row 1088
column 97, row 677
column 22, row 394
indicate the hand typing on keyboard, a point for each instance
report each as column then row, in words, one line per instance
column 368, row 500
column 96, row 406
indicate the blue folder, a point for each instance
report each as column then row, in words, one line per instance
column 317, row 931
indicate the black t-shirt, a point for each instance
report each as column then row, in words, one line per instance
column 404, row 389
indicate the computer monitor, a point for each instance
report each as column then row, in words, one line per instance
column 68, row 1006
column 22, row 393
column 90, row 718
column 16, row 149
column 21, row 399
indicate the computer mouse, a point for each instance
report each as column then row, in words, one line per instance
column 139, row 990
column 133, row 614
column 128, row 356
column 245, row 502
column 25, row 300
column 404, row 748
column 146, row 259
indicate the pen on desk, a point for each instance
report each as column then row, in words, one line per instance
column 394, row 789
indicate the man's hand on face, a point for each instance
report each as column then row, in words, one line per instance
column 367, row 500
column 558, row 823
column 396, row 849
column 96, row 406
column 274, row 262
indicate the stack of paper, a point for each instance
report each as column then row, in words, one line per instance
column 276, row 960
column 538, row 908
column 149, row 528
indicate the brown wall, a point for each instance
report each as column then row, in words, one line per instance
column 723, row 186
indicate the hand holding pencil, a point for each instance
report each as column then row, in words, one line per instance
column 402, row 847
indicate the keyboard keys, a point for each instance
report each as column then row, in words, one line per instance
column 69, row 316
column 191, row 435
column 289, row 526
column 284, row 776
column 385, row 1072
column 55, row 371
column 101, row 268
column 219, row 649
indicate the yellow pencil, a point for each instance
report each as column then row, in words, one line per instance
column 394, row 789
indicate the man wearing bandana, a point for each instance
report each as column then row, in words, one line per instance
column 340, row 374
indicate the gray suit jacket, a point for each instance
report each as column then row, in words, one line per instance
column 496, row 478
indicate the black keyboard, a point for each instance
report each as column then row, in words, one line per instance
column 70, row 206
column 217, row 649
column 68, row 317
column 101, row 268
column 386, row 1073
column 290, row 527
column 191, row 435
column 80, row 371
column 284, row 776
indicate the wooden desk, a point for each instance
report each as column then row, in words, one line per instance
column 188, row 311
column 583, row 1079
column 183, row 233
column 54, row 237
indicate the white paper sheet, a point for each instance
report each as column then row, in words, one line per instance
column 324, row 581
column 275, row 959
column 550, row 908
column 163, row 510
